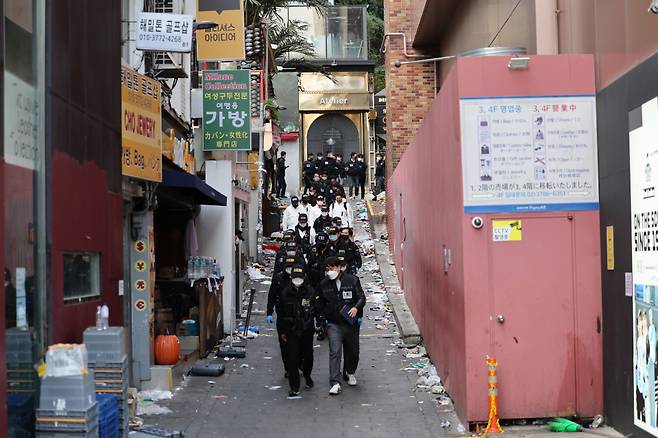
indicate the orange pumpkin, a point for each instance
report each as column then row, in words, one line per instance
column 167, row 349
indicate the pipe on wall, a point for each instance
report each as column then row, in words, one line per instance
column 546, row 16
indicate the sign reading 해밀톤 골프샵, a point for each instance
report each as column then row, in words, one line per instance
column 529, row 154
column 226, row 121
column 164, row 32
column 643, row 154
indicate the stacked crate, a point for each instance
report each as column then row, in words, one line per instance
column 67, row 407
column 22, row 380
column 106, row 352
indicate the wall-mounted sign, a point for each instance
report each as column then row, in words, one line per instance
column 20, row 122
column 141, row 138
column 164, row 32
column 507, row 231
column 643, row 153
column 334, row 101
column 610, row 247
column 529, row 154
column 226, row 41
column 226, row 121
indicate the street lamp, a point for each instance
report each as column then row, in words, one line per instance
column 205, row 25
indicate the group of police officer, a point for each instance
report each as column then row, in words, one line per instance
column 315, row 288
column 324, row 173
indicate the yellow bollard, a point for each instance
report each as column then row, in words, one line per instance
column 493, row 426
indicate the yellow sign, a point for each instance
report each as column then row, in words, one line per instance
column 610, row 246
column 507, row 231
column 141, row 137
column 226, row 41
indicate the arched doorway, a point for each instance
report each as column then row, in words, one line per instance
column 335, row 133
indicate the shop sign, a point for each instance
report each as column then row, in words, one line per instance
column 507, row 231
column 334, row 101
column 20, row 122
column 610, row 247
column 141, row 137
column 226, row 41
column 164, row 32
column 529, row 154
column 643, row 152
column 226, row 121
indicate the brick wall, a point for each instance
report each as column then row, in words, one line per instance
column 410, row 88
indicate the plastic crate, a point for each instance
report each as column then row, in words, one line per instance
column 120, row 363
column 68, row 393
column 20, row 409
column 67, row 420
column 108, row 416
column 68, row 434
column 18, row 346
column 105, row 345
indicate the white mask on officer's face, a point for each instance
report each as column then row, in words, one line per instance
column 288, row 271
column 331, row 275
column 297, row 281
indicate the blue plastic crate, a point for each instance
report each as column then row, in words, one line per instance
column 108, row 415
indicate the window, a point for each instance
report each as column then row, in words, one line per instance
column 81, row 275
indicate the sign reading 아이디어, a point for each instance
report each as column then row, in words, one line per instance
column 529, row 154
column 226, row 121
column 225, row 42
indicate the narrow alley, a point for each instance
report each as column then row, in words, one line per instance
column 249, row 400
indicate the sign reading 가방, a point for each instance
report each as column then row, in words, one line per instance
column 226, row 121
column 529, row 154
column 164, row 32
column 141, row 138
column 643, row 152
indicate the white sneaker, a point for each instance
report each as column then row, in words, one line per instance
column 351, row 379
column 335, row 390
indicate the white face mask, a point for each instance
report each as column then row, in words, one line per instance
column 331, row 275
column 291, row 253
column 333, row 237
column 288, row 270
column 297, row 281
column 320, row 203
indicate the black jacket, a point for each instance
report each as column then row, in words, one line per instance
column 280, row 166
column 331, row 300
column 309, row 168
column 380, row 168
column 316, row 263
column 321, row 223
column 352, row 253
column 279, row 282
column 303, row 242
column 296, row 309
column 352, row 168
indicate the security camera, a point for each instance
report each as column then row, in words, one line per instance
column 477, row 222
column 653, row 6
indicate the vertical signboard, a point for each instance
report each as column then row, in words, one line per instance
column 20, row 106
column 529, row 154
column 226, row 121
column 226, row 41
column 141, row 138
column 643, row 152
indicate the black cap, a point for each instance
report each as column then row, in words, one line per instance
column 304, row 197
column 345, row 228
column 294, row 198
column 303, row 216
column 332, row 230
column 319, row 197
column 290, row 261
column 332, row 261
column 321, row 237
column 298, row 272
column 324, row 209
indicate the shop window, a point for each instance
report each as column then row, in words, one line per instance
column 81, row 275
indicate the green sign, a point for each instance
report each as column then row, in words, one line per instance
column 226, row 120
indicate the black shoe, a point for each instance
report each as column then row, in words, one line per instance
column 345, row 376
column 309, row 382
column 293, row 394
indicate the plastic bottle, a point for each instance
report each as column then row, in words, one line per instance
column 105, row 317
column 99, row 324
column 215, row 269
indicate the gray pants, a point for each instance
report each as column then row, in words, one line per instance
column 354, row 184
column 342, row 336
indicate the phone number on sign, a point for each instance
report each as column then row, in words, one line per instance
column 160, row 38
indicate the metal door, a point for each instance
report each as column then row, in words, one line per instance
column 532, row 316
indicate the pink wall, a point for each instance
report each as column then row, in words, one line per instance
column 454, row 310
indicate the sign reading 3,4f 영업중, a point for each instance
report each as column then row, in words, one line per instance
column 226, row 120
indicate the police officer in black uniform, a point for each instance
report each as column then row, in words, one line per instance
column 341, row 299
column 304, row 234
column 296, row 312
column 281, row 175
column 309, row 167
column 323, row 221
column 290, row 249
column 315, row 269
column 280, row 281
column 352, row 253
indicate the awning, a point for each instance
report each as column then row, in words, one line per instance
column 191, row 187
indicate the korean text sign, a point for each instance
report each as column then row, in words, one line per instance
column 141, row 137
column 226, row 41
column 529, row 154
column 226, row 121
column 643, row 154
column 164, row 32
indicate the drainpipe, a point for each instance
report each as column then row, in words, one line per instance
column 382, row 48
column 547, row 32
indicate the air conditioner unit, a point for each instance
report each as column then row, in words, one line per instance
column 168, row 65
